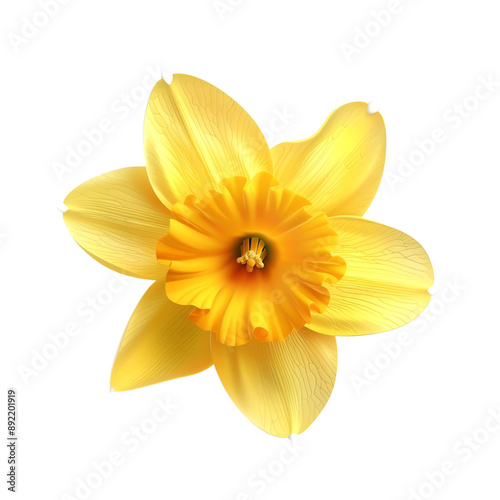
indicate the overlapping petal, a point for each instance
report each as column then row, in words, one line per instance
column 385, row 284
column 159, row 343
column 194, row 136
column 117, row 219
column 339, row 168
column 280, row 386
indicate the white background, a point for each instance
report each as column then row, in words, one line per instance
column 376, row 439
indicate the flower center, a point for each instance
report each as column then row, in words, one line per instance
column 253, row 253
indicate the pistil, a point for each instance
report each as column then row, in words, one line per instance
column 253, row 253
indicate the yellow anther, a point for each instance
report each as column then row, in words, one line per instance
column 253, row 253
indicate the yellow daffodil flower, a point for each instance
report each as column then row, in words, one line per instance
column 260, row 257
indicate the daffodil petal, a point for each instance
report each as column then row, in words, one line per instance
column 194, row 136
column 385, row 283
column 339, row 168
column 159, row 343
column 280, row 386
column 117, row 219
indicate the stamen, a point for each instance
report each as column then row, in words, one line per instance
column 253, row 253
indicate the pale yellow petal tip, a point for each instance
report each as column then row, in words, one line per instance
column 167, row 77
column 111, row 389
column 62, row 208
column 373, row 107
column 292, row 437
